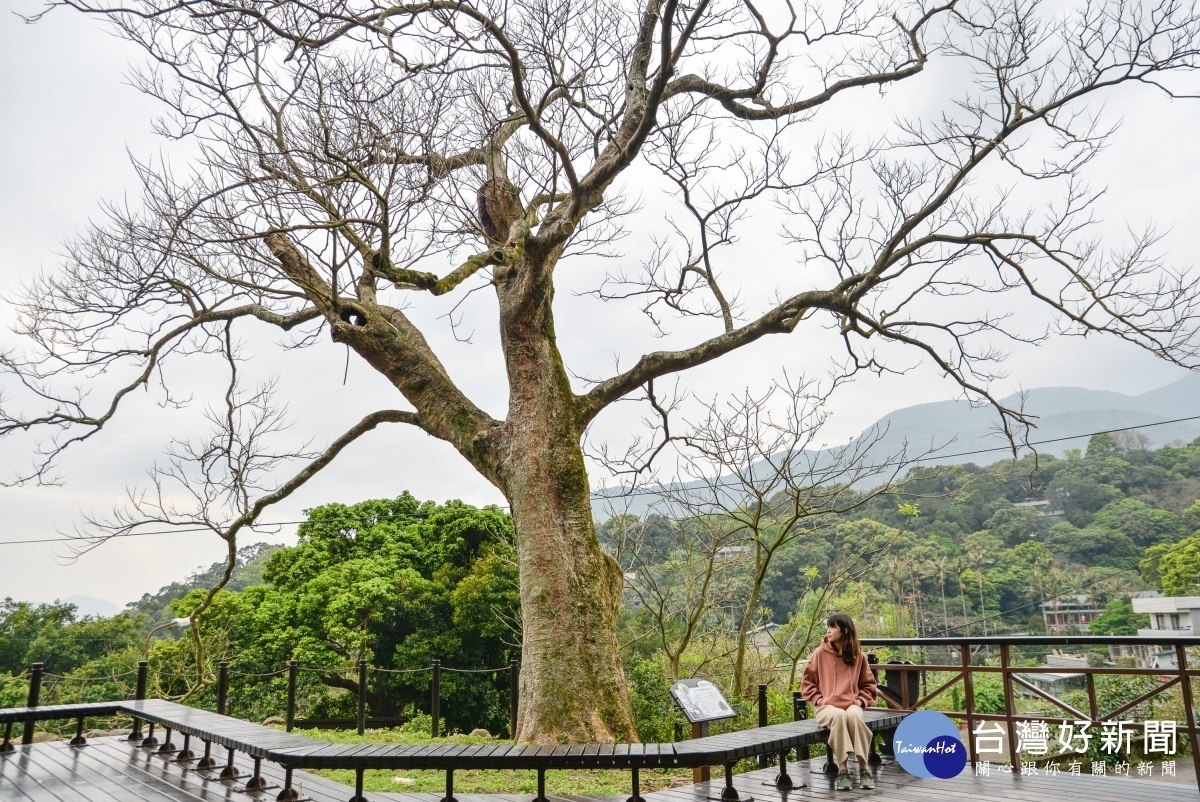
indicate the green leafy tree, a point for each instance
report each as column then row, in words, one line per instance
column 396, row 582
column 1138, row 521
column 1191, row 517
column 1119, row 618
column 1080, row 496
column 1095, row 546
column 54, row 635
column 247, row 571
column 1103, row 446
column 1015, row 525
column 1174, row 567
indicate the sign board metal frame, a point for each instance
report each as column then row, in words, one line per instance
column 701, row 701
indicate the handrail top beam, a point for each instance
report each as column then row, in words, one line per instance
column 1037, row 640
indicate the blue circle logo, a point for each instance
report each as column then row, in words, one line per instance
column 927, row 745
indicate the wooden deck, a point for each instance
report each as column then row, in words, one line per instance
column 893, row 783
column 114, row 770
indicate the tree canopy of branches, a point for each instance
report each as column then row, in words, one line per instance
column 355, row 159
column 760, row 483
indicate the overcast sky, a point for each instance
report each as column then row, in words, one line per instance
column 67, row 119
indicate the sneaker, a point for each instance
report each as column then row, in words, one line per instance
column 865, row 780
column 844, row 783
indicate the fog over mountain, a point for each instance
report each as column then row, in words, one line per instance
column 90, row 605
column 954, row 430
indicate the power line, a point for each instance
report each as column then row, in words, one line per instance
column 598, row 495
column 1095, row 581
column 185, row 530
column 927, row 458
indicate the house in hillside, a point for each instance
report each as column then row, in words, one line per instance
column 1070, row 613
column 1058, row 682
column 731, row 552
column 1170, row 616
column 763, row 638
column 1042, row 507
column 631, row 599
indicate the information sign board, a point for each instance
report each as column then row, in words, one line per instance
column 700, row 700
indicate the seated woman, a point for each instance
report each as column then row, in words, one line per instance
column 839, row 683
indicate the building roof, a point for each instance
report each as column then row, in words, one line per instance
column 1166, row 604
column 1048, row 676
column 1073, row 600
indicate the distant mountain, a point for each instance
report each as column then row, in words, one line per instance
column 956, row 429
column 89, row 605
column 250, row 563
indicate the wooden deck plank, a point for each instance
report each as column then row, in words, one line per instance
column 895, row 784
column 113, row 770
column 321, row 789
column 72, row 766
column 133, row 767
column 11, row 789
column 203, row 784
column 77, row 765
column 30, row 777
column 127, row 783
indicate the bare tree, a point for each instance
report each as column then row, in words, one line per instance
column 356, row 158
column 760, row 480
column 805, row 626
column 683, row 574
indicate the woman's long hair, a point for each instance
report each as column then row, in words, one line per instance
column 848, row 647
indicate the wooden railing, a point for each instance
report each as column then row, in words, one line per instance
column 967, row 667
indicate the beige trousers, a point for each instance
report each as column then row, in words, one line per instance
column 848, row 733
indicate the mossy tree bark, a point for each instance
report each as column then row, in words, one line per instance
column 572, row 685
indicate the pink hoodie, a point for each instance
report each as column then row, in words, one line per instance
column 827, row 680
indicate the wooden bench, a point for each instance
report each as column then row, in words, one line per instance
column 300, row 752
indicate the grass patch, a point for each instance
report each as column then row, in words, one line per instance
column 592, row 782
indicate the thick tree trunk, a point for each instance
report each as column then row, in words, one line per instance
column 572, row 684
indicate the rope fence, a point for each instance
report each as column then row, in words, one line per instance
column 45, row 687
column 72, row 678
column 280, row 672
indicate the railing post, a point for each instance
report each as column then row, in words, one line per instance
column 35, row 695
column 435, row 700
column 1185, row 683
column 763, row 760
column 514, row 695
column 362, row 695
column 293, row 670
column 1093, row 705
column 223, row 687
column 969, row 694
column 1010, row 709
column 143, row 670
